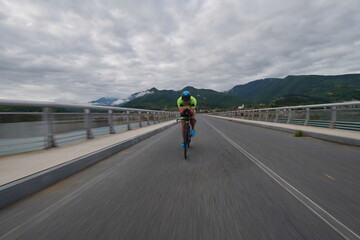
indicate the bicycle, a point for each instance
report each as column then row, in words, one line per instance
column 187, row 135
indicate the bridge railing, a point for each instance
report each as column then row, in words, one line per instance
column 35, row 125
column 344, row 115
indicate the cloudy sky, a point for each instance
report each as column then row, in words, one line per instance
column 78, row 51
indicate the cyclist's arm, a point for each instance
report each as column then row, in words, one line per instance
column 182, row 109
column 193, row 102
column 179, row 102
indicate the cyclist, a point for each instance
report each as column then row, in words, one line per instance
column 186, row 101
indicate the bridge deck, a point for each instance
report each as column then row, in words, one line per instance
column 239, row 182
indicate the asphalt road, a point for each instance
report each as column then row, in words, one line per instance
column 305, row 189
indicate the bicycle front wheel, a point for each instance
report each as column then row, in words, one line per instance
column 185, row 148
column 186, row 145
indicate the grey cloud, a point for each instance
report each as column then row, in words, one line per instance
column 80, row 52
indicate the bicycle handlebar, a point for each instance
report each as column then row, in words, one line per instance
column 186, row 115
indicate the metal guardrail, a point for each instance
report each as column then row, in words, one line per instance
column 54, row 126
column 344, row 115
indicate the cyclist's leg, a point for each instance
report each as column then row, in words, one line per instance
column 192, row 118
column 192, row 121
column 183, row 129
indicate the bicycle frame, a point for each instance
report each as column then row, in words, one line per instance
column 187, row 135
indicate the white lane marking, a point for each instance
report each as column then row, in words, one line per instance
column 320, row 212
column 36, row 219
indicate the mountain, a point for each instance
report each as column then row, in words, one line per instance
column 291, row 90
column 296, row 100
column 104, row 101
column 323, row 88
column 120, row 102
column 166, row 99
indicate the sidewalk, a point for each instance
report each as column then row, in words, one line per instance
column 333, row 135
column 26, row 173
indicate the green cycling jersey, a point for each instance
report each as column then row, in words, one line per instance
column 192, row 103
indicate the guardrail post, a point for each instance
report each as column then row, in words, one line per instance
column 289, row 117
column 140, row 125
column 259, row 118
column 128, row 120
column 253, row 115
column 154, row 120
column 307, row 117
column 111, row 126
column 48, row 119
column 89, row 134
column 267, row 115
column 333, row 117
column 148, row 118
column 276, row 115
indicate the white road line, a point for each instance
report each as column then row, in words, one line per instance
column 320, row 212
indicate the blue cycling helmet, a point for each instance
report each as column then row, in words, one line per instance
column 186, row 95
